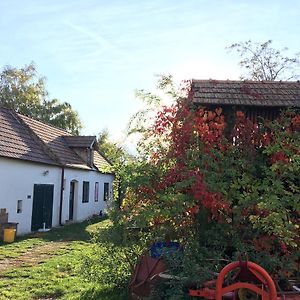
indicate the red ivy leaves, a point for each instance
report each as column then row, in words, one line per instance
column 245, row 133
column 164, row 119
column 296, row 123
column 279, row 157
column 209, row 127
column 214, row 202
column 185, row 128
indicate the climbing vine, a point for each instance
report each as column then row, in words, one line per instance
column 248, row 181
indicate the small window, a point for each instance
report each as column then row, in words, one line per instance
column 96, row 196
column 19, row 206
column 85, row 192
column 106, row 191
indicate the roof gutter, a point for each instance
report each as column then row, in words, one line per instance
column 61, row 195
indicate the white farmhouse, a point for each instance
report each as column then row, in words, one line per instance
column 47, row 176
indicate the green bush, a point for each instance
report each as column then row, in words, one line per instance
column 113, row 257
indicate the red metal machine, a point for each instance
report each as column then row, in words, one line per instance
column 262, row 283
column 249, row 276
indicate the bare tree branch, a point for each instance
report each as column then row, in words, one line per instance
column 261, row 62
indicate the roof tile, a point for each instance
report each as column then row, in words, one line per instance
column 80, row 141
column 22, row 137
column 16, row 141
column 254, row 93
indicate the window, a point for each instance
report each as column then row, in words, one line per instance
column 85, row 192
column 96, row 196
column 19, row 206
column 106, row 191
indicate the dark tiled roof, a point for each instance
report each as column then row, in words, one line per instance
column 80, row 141
column 252, row 93
column 54, row 139
column 17, row 142
column 22, row 137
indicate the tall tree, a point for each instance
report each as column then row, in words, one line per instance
column 140, row 121
column 24, row 91
column 21, row 89
column 121, row 162
column 61, row 115
column 262, row 62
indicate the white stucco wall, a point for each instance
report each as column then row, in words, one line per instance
column 85, row 210
column 17, row 179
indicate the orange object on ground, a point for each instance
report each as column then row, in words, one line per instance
column 9, row 235
column 267, row 292
column 145, row 274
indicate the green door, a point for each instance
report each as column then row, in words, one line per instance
column 42, row 206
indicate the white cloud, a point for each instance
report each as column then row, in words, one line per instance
column 95, row 37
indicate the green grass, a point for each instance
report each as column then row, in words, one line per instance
column 57, row 276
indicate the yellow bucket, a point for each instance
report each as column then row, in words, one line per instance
column 9, row 235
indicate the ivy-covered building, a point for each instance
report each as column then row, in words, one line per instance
column 257, row 99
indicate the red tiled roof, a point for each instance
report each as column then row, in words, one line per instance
column 100, row 162
column 251, row 93
column 22, row 137
column 54, row 139
column 17, row 142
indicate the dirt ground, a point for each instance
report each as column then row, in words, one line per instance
column 33, row 256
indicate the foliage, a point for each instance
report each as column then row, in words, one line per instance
column 112, row 151
column 124, row 165
column 262, row 62
column 220, row 192
column 113, row 256
column 121, row 161
column 24, row 91
column 140, row 121
column 21, row 89
column 60, row 115
column 248, row 183
column 199, row 261
column 96, row 293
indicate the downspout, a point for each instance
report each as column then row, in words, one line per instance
column 61, row 195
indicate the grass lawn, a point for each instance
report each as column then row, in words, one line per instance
column 47, row 265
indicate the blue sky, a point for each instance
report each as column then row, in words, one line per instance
column 95, row 53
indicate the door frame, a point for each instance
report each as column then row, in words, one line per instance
column 42, row 206
column 72, row 200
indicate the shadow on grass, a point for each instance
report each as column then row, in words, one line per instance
column 56, row 294
column 70, row 232
column 104, row 294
